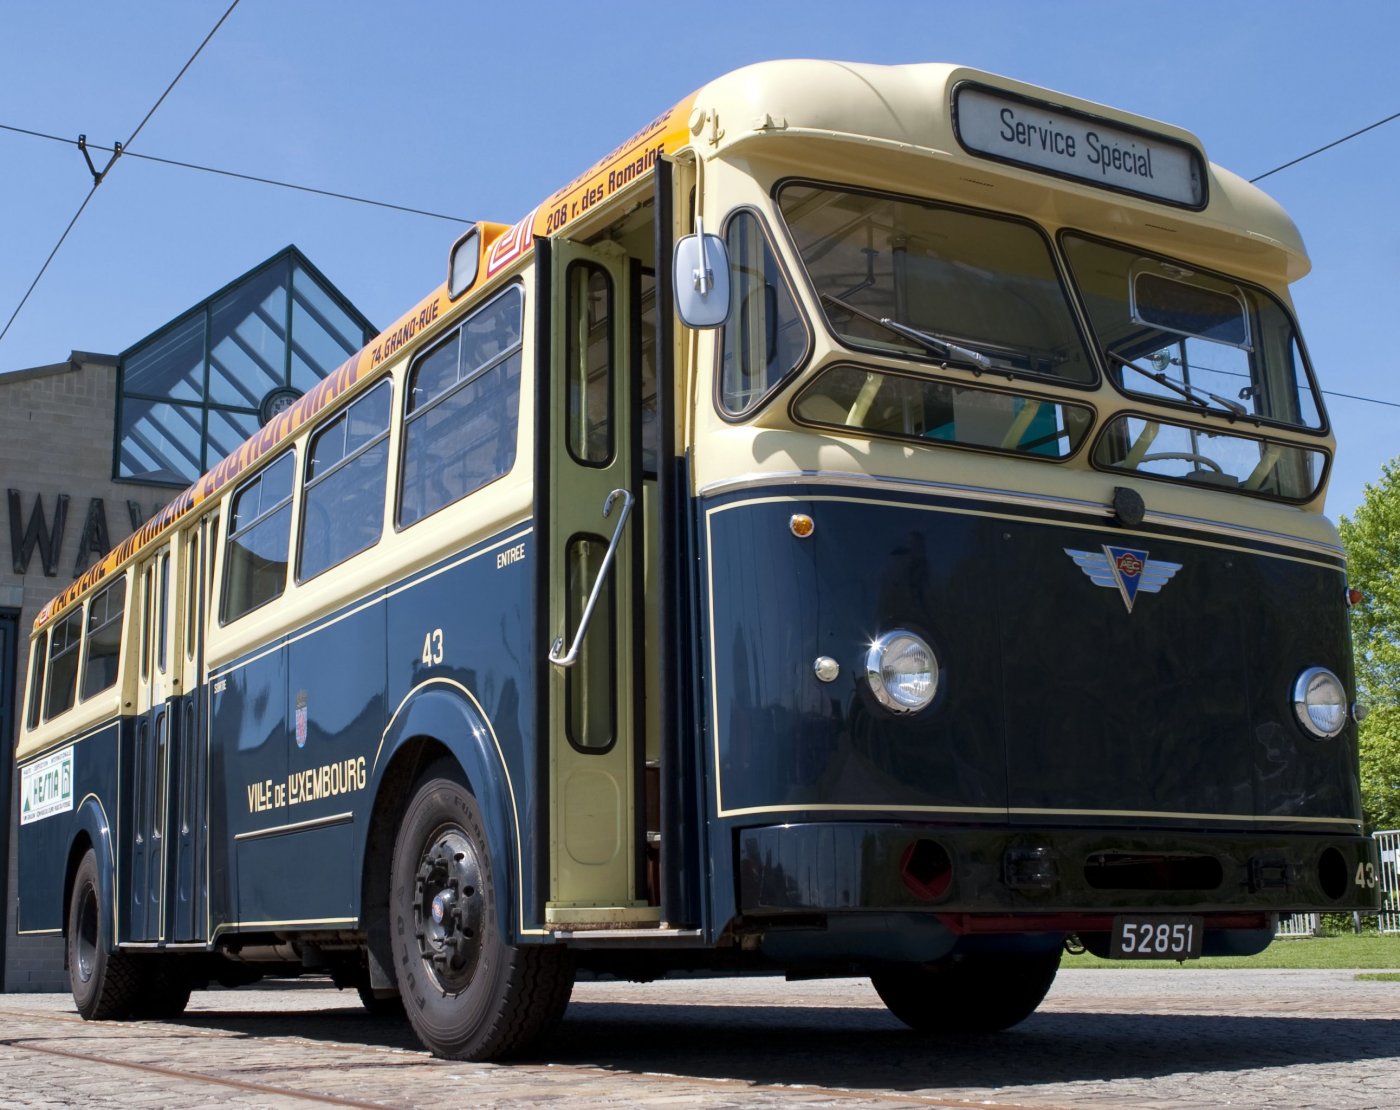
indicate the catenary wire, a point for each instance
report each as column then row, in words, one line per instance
column 1329, row 146
column 97, row 180
column 246, row 177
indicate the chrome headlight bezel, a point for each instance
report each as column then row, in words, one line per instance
column 1331, row 712
column 902, row 646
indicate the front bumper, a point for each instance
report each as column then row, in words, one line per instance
column 840, row 867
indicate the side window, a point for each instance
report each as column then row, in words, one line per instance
column 589, row 364
column 38, row 660
column 461, row 409
column 64, row 642
column 259, row 534
column 342, row 511
column 162, row 620
column 764, row 337
column 104, row 639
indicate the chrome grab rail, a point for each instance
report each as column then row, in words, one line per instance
column 569, row 658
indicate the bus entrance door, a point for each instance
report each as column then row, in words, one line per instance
column 152, row 749
column 594, row 552
column 186, row 900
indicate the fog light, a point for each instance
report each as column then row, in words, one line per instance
column 1320, row 702
column 902, row 671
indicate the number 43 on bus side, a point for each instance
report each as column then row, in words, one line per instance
column 432, row 647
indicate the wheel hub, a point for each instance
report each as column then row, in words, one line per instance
column 449, row 901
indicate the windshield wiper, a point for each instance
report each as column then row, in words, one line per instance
column 1193, row 393
column 930, row 341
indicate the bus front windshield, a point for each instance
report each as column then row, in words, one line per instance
column 920, row 280
column 1177, row 335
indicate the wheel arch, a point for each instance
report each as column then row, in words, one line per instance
column 439, row 719
column 91, row 831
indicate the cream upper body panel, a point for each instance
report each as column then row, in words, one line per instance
column 777, row 121
column 901, row 119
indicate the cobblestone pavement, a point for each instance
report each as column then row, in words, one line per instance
column 1107, row 1038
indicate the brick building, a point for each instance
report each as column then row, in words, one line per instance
column 91, row 447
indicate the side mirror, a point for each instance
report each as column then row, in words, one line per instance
column 701, row 279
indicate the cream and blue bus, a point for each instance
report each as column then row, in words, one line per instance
column 870, row 523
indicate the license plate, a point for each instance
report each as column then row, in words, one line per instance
column 1157, row 937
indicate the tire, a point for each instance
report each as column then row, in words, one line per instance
column 105, row 985
column 468, row 994
column 968, row 994
column 380, row 1006
column 163, row 989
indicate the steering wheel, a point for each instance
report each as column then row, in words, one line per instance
column 1185, row 456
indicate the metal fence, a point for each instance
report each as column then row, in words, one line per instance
column 1388, row 842
column 1299, row 925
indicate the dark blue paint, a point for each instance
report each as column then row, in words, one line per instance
column 1052, row 695
column 44, row 845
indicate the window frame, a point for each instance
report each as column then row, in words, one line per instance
column 1102, row 433
column 1082, row 403
column 38, row 679
column 309, row 484
column 89, row 632
column 1058, row 263
column 405, row 418
column 1322, row 430
column 800, row 364
column 263, row 514
column 80, row 614
column 589, row 268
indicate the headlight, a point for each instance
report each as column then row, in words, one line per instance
column 1320, row 702
column 902, row 671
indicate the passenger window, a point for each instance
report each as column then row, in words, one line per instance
column 104, row 639
column 192, row 624
column 64, row 642
column 342, row 511
column 764, row 338
column 162, row 624
column 591, row 705
column 39, row 657
column 255, row 564
column 589, row 364
column 461, row 411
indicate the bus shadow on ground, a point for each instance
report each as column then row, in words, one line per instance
column 859, row 1048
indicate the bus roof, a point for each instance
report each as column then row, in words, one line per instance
column 909, row 108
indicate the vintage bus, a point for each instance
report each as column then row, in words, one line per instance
column 869, row 523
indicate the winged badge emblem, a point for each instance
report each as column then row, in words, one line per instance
column 1124, row 569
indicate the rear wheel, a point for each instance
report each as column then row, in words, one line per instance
column 469, row 995
column 979, row 993
column 106, row 986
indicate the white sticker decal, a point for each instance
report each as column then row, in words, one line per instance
column 46, row 787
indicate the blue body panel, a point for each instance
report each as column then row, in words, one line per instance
column 44, row 845
column 1064, row 718
column 300, row 734
column 299, row 742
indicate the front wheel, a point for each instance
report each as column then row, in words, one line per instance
column 468, row 994
column 978, row 993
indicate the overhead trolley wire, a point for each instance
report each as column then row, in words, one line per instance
column 1329, row 146
column 247, row 177
column 97, row 177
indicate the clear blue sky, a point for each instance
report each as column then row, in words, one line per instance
column 479, row 110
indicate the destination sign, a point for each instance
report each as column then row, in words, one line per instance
column 1062, row 141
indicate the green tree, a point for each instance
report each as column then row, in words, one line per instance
column 1372, row 539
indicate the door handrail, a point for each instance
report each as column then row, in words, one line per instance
column 569, row 658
